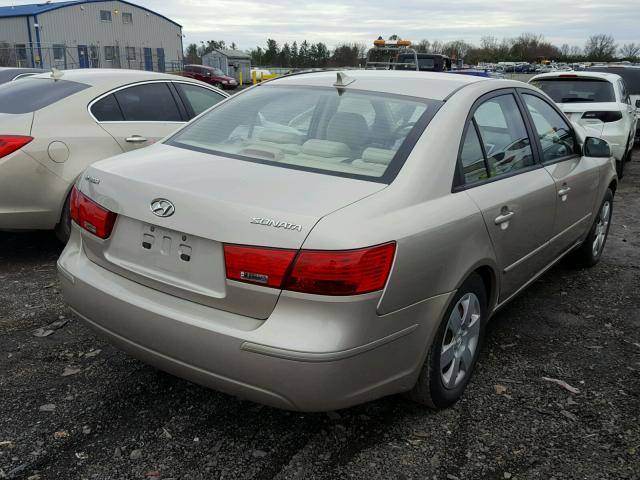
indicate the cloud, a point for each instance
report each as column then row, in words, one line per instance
column 250, row 22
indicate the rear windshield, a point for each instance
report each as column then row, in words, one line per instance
column 574, row 90
column 31, row 94
column 352, row 134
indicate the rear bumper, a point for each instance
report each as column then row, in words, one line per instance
column 31, row 196
column 308, row 355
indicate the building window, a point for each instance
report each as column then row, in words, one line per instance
column 109, row 53
column 21, row 51
column 105, row 15
column 131, row 53
column 58, row 52
column 127, row 17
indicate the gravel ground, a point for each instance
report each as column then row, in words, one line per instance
column 73, row 407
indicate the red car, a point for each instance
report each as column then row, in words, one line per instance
column 210, row 75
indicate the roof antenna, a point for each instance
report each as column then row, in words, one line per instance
column 56, row 74
column 343, row 80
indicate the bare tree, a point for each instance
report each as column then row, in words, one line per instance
column 575, row 52
column 630, row 51
column 489, row 43
column 600, row 48
column 437, row 46
column 423, row 46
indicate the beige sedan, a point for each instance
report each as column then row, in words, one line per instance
column 54, row 125
column 324, row 239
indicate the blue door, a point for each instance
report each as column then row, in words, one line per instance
column 83, row 56
column 161, row 67
column 148, row 59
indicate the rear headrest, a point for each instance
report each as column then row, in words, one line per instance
column 379, row 156
column 278, row 136
column 349, row 128
column 325, row 149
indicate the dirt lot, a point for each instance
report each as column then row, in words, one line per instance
column 73, row 407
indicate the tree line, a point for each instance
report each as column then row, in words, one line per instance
column 527, row 47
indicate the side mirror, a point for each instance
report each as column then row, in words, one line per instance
column 638, row 103
column 596, row 148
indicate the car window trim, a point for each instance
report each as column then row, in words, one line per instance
column 529, row 119
column 122, row 87
column 459, row 184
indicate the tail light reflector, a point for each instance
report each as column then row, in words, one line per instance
column 91, row 216
column 603, row 116
column 11, row 143
column 350, row 272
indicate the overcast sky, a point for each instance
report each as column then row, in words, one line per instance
column 251, row 22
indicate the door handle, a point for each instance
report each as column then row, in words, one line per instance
column 504, row 217
column 135, row 139
column 564, row 191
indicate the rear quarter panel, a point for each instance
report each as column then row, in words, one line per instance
column 441, row 237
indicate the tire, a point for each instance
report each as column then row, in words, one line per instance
column 620, row 168
column 432, row 389
column 588, row 255
column 218, row 85
column 63, row 228
column 629, row 155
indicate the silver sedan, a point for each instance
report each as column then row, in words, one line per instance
column 326, row 239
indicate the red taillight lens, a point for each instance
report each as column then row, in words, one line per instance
column 91, row 216
column 351, row 272
column 263, row 266
column 11, row 143
column 74, row 205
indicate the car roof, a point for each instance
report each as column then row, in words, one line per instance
column 107, row 77
column 610, row 77
column 432, row 85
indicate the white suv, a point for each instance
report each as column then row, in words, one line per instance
column 600, row 103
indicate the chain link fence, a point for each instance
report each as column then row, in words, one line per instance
column 65, row 57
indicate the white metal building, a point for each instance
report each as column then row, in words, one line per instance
column 89, row 34
column 231, row 62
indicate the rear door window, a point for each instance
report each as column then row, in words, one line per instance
column 32, row 94
column 504, row 135
column 107, row 110
column 555, row 135
column 472, row 159
column 149, row 102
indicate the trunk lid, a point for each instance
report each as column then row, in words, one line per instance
column 216, row 200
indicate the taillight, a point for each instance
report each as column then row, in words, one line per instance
column 264, row 266
column 11, row 143
column 605, row 117
column 91, row 216
column 321, row 272
column 350, row 272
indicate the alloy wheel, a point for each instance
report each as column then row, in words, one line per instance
column 460, row 341
column 601, row 228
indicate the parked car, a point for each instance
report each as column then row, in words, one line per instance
column 598, row 101
column 631, row 77
column 210, row 75
column 8, row 74
column 52, row 126
column 316, row 262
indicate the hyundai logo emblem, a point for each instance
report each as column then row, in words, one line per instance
column 162, row 207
